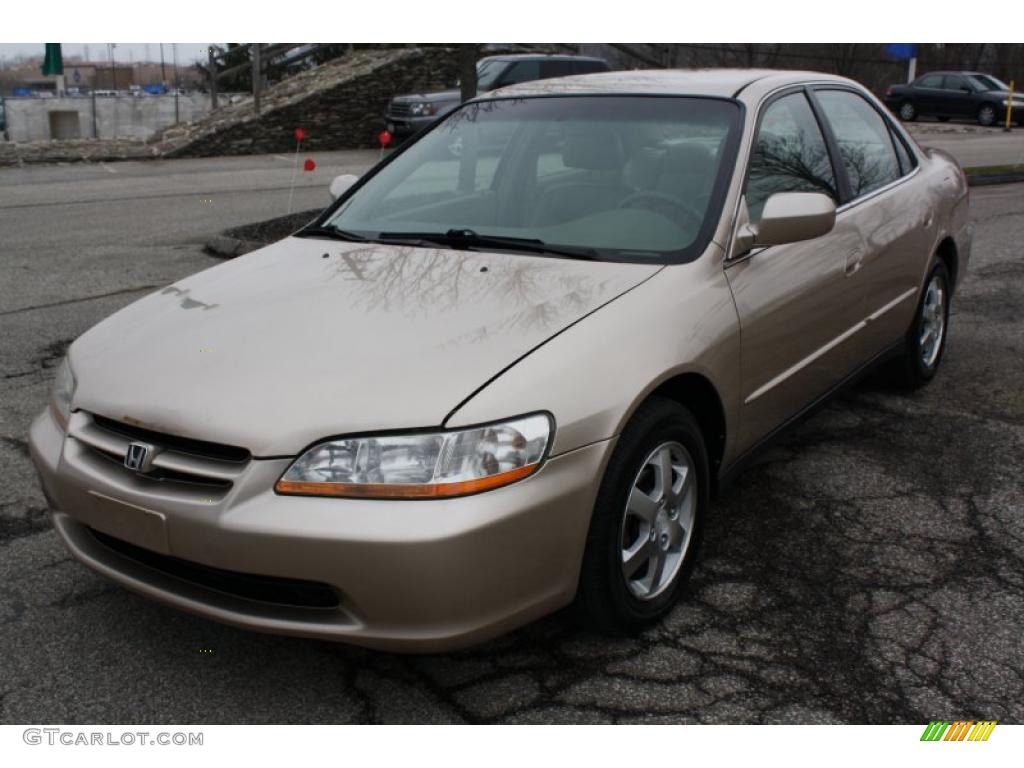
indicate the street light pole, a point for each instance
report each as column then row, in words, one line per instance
column 213, row 77
column 113, row 73
column 257, row 76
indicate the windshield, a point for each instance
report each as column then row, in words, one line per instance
column 625, row 177
column 988, row 83
column 487, row 72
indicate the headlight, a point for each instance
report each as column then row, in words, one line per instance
column 422, row 108
column 424, row 465
column 62, row 392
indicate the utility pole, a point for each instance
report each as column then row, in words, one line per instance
column 163, row 67
column 113, row 73
column 257, row 75
column 213, row 77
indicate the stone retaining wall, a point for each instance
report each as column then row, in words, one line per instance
column 340, row 106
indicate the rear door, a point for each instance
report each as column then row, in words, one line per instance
column 799, row 304
column 958, row 98
column 879, row 173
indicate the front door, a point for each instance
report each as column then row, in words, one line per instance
column 800, row 305
column 896, row 222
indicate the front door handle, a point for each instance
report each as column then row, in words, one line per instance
column 853, row 263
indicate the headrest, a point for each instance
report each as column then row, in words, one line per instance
column 688, row 158
column 592, row 147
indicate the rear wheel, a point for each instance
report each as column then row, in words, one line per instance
column 908, row 112
column 943, row 118
column 926, row 339
column 647, row 520
column 987, row 115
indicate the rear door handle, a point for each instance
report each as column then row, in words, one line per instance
column 853, row 263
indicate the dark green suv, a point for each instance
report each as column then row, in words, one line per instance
column 409, row 113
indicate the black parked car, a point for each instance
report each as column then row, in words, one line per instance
column 407, row 114
column 971, row 95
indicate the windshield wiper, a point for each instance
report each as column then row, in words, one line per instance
column 332, row 232
column 470, row 240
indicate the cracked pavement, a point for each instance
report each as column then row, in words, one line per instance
column 867, row 569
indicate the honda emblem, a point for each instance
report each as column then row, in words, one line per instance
column 139, row 457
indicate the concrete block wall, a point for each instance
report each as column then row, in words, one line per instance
column 28, row 119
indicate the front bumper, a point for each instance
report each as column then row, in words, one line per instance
column 408, row 575
column 405, row 126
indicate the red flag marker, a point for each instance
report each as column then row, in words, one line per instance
column 384, row 137
column 300, row 134
column 309, row 165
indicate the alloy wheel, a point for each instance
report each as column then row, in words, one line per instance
column 987, row 115
column 907, row 111
column 933, row 321
column 657, row 524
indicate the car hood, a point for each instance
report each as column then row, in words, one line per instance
column 452, row 95
column 310, row 338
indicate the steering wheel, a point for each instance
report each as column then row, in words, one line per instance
column 662, row 200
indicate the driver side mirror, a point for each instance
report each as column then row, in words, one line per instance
column 788, row 217
column 341, row 184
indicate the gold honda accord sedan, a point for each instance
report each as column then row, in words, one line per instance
column 506, row 370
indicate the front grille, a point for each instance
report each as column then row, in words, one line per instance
column 160, row 475
column 264, row 589
column 196, row 467
column 200, row 448
column 400, row 109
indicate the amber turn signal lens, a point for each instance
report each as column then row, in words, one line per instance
column 401, row 491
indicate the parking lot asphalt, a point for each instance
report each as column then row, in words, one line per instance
column 869, row 568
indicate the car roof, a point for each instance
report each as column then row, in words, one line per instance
column 545, row 56
column 682, row 82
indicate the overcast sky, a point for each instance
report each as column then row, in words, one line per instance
column 124, row 52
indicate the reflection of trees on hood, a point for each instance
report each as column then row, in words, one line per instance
column 416, row 282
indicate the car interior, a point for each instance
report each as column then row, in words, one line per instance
column 616, row 183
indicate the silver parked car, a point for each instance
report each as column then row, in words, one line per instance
column 485, row 386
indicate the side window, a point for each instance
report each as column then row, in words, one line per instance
column 864, row 142
column 586, row 67
column 521, row 72
column 930, row 81
column 954, row 83
column 902, row 154
column 555, row 68
column 789, row 154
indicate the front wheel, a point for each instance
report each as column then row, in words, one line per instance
column 987, row 115
column 647, row 520
column 926, row 339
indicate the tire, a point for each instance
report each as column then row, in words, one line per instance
column 609, row 600
column 943, row 118
column 987, row 115
column 908, row 112
column 920, row 360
